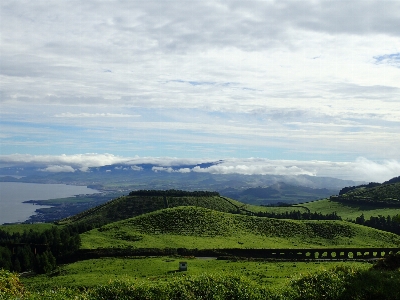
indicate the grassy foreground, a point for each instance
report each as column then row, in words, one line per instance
column 89, row 273
column 340, row 282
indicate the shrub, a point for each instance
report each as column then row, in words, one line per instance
column 390, row 262
column 10, row 286
column 345, row 283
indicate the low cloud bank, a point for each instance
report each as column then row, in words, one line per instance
column 361, row 169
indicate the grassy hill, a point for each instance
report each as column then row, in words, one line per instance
column 197, row 227
column 387, row 195
column 130, row 206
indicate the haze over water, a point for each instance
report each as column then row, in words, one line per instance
column 13, row 194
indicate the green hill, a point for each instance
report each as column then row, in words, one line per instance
column 197, row 227
column 386, row 195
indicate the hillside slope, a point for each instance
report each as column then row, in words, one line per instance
column 197, row 227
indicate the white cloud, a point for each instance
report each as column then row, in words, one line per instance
column 373, row 171
column 56, row 169
column 136, row 168
column 77, row 161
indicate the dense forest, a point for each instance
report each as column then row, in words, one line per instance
column 38, row 251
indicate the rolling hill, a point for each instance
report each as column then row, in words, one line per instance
column 197, row 227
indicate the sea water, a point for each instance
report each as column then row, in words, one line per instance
column 13, row 194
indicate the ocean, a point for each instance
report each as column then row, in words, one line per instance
column 13, row 194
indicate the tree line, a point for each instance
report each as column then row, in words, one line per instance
column 390, row 224
column 38, row 251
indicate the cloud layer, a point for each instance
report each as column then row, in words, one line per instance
column 283, row 80
column 360, row 170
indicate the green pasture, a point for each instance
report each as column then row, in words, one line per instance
column 101, row 271
column 348, row 211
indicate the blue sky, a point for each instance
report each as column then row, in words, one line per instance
column 298, row 81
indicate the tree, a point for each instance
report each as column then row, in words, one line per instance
column 5, row 258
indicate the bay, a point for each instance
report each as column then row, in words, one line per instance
column 13, row 194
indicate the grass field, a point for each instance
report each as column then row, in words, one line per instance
column 348, row 211
column 195, row 227
column 101, row 271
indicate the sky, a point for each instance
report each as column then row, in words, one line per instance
column 266, row 86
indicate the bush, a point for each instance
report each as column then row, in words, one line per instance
column 390, row 262
column 10, row 286
column 344, row 283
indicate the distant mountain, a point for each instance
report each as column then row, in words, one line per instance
column 124, row 178
column 278, row 192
